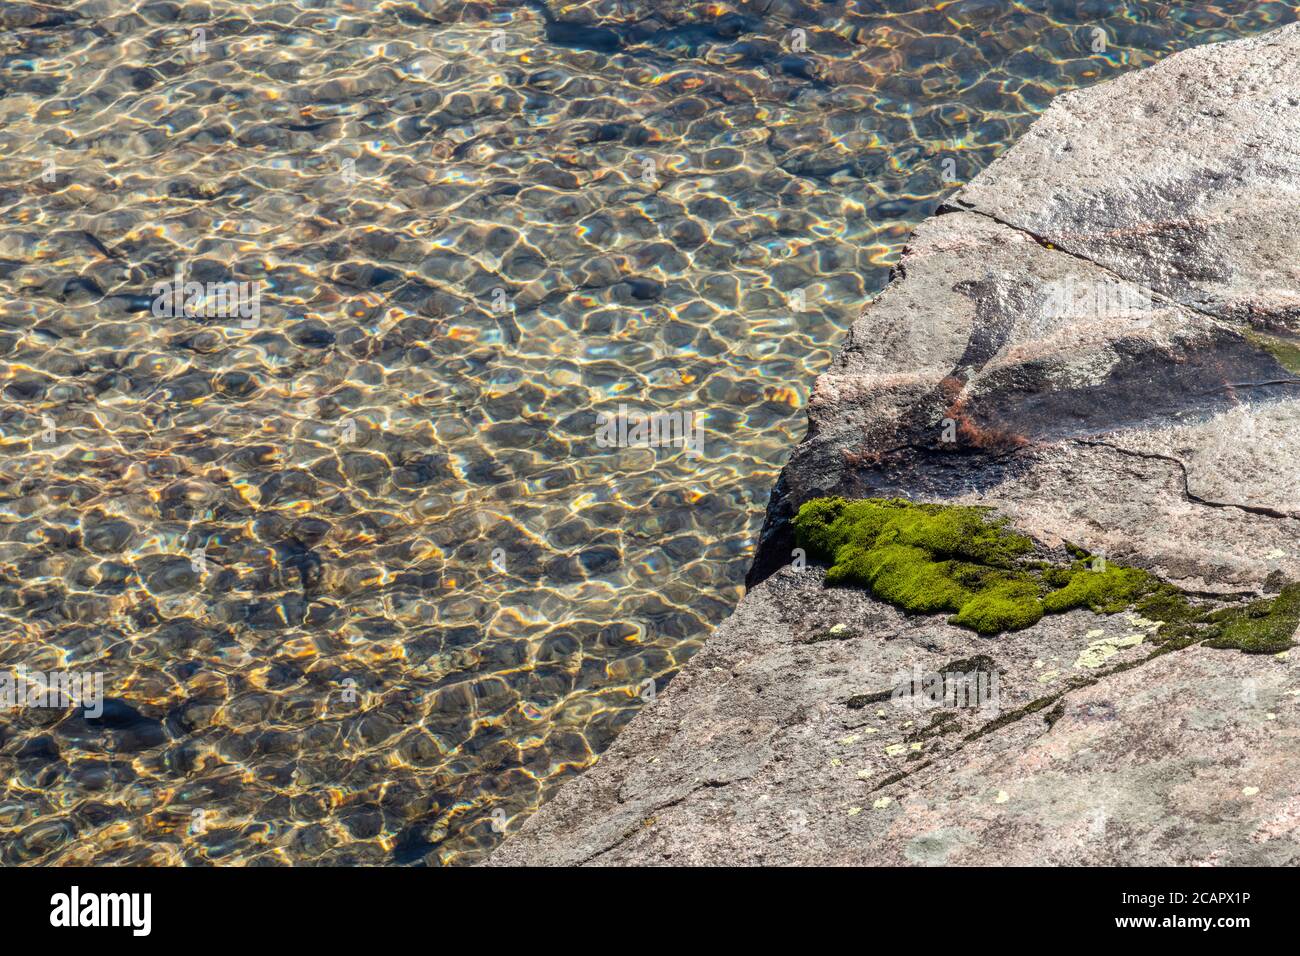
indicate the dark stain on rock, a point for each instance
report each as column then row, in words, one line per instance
column 998, row 303
column 859, row 701
column 1148, row 386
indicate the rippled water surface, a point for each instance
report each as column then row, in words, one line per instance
column 362, row 585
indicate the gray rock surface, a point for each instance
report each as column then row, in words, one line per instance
column 1100, row 337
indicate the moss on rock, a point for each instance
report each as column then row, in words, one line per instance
column 927, row 558
column 1009, row 606
column 1262, row 627
column 1285, row 350
column 1102, row 590
column 964, row 561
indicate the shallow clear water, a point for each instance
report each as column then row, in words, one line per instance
column 362, row 583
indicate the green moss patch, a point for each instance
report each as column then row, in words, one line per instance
column 1005, row 606
column 1103, row 590
column 963, row 561
column 1262, row 627
column 1286, row 351
column 926, row 559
